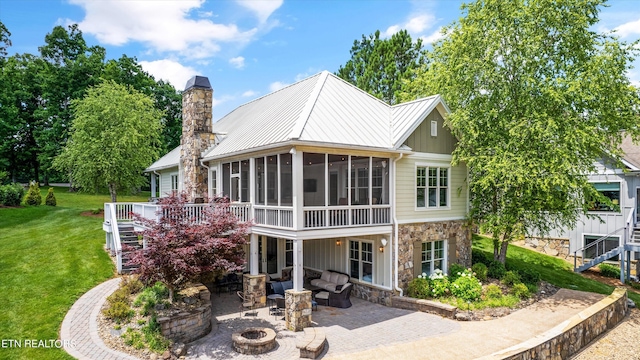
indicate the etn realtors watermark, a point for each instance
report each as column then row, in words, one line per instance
column 33, row 343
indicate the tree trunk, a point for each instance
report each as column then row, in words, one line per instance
column 112, row 192
column 170, row 294
column 503, row 251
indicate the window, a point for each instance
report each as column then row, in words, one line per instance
column 433, row 256
column 359, row 180
column 361, row 260
column 288, row 253
column 432, row 187
column 603, row 246
column 610, row 191
column 174, row 183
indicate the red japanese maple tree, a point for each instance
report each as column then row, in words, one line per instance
column 189, row 241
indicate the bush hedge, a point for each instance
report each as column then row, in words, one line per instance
column 11, row 195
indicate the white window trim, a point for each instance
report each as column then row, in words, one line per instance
column 171, row 188
column 445, row 255
column 373, row 260
column 584, row 242
column 415, row 187
column 619, row 205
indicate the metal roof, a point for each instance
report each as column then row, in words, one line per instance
column 171, row 159
column 322, row 109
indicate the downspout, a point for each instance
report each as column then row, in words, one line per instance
column 395, row 224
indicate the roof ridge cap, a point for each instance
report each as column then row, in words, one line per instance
column 301, row 122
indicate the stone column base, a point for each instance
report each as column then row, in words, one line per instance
column 256, row 286
column 298, row 309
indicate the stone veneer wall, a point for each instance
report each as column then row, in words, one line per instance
column 298, row 309
column 196, row 138
column 408, row 234
column 256, row 286
column 551, row 246
column 186, row 327
column 372, row 294
column 571, row 336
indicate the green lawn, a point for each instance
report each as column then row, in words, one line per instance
column 49, row 257
column 552, row 270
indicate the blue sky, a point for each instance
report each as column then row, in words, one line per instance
column 248, row 48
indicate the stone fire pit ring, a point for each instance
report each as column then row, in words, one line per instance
column 254, row 340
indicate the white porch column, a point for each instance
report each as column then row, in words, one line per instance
column 153, row 185
column 253, row 253
column 297, row 189
column 298, row 271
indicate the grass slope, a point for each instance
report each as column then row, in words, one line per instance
column 552, row 270
column 49, row 257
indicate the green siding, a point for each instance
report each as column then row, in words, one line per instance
column 422, row 141
column 406, row 190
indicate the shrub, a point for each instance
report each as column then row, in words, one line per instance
column 520, row 290
column 496, row 269
column 131, row 284
column 150, row 297
column 118, row 311
column 480, row 257
column 33, row 195
column 120, row 295
column 480, row 270
column 455, row 270
column 50, row 200
column 419, row 288
column 511, row 278
column 153, row 336
column 11, row 195
column 529, row 276
column 466, row 287
column 609, row 270
column 532, row 288
column 439, row 284
column 133, row 338
column 493, row 291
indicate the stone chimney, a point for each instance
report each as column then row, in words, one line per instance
column 196, row 135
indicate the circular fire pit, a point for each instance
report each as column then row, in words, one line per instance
column 253, row 341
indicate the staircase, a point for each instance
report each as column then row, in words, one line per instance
column 604, row 257
column 128, row 237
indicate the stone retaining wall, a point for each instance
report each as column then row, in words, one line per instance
column 572, row 335
column 550, row 246
column 427, row 306
column 186, row 327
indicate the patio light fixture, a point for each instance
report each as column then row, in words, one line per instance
column 338, row 243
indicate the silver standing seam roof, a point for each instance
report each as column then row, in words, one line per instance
column 320, row 110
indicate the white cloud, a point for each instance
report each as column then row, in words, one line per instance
column 416, row 24
column 277, row 85
column 216, row 101
column 161, row 25
column 237, row 62
column 629, row 28
column 435, row 36
column 263, row 8
column 169, row 70
column 249, row 93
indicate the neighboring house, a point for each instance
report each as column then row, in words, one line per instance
column 332, row 178
column 603, row 237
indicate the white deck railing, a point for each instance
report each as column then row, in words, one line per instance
column 272, row 216
column 341, row 216
column 111, row 215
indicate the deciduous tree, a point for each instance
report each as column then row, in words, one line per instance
column 180, row 250
column 115, row 135
column 379, row 66
column 537, row 96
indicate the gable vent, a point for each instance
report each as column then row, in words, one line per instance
column 434, row 128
